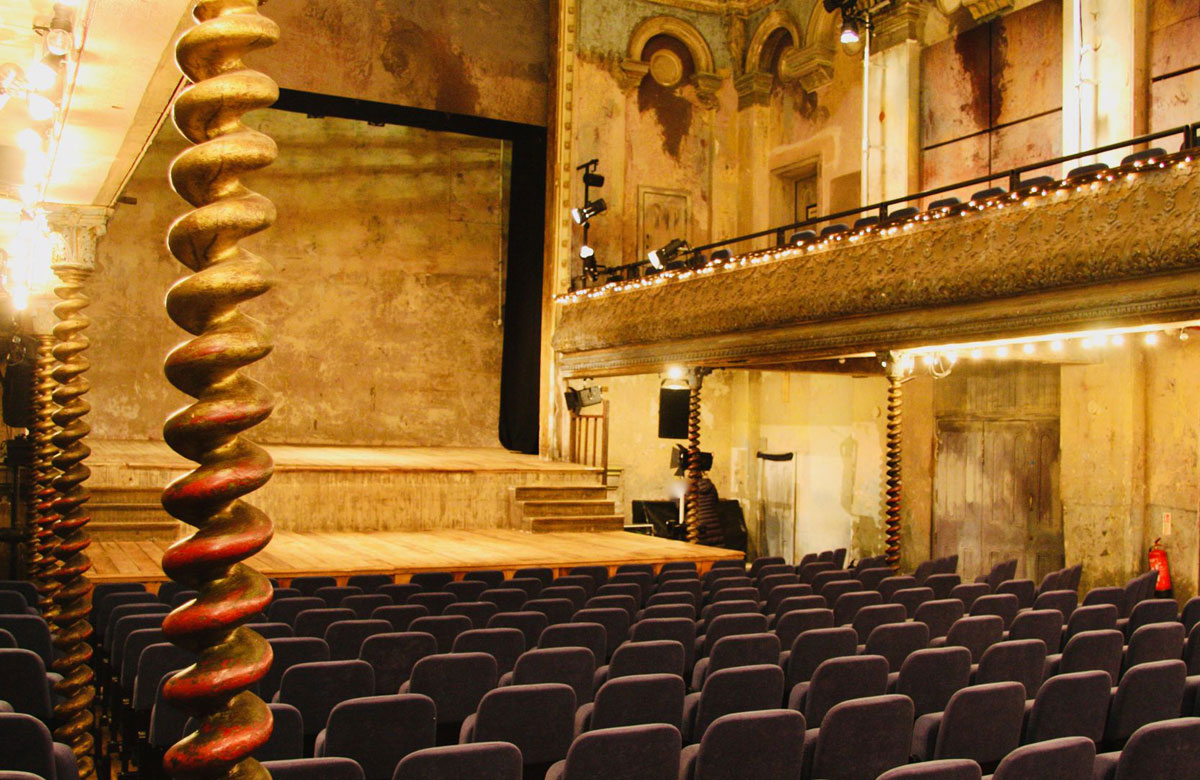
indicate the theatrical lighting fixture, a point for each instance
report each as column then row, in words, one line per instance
column 584, row 214
column 681, row 459
column 849, row 30
column 660, row 257
column 586, row 252
column 579, row 398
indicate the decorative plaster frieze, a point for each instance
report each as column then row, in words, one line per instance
column 754, row 89
column 902, row 21
column 723, row 7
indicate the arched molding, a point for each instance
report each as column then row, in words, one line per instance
column 705, row 78
column 779, row 19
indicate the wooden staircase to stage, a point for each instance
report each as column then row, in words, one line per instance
column 545, row 508
column 129, row 512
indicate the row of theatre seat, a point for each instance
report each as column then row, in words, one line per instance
column 480, row 684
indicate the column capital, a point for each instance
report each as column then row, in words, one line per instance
column 901, row 21
column 77, row 230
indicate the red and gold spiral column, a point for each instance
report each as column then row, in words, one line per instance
column 233, row 722
column 40, row 539
column 895, row 448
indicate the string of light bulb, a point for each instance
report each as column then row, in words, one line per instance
column 1029, row 197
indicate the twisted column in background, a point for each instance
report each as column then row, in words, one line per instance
column 73, row 598
column 43, row 514
column 696, row 513
column 895, row 448
column 233, row 722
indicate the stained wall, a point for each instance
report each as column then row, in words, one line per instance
column 389, row 247
column 1174, row 54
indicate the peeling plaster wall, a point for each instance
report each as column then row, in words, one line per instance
column 1174, row 63
column 389, row 248
column 477, row 57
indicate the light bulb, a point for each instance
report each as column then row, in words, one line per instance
column 1028, row 349
column 928, row 359
column 1151, row 339
column 41, row 76
column 1088, row 343
column 41, row 108
column 29, row 140
column 1002, row 352
column 976, row 354
column 1183, row 335
column 1118, row 339
column 58, row 41
column 1056, row 345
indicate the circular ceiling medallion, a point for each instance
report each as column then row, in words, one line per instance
column 666, row 67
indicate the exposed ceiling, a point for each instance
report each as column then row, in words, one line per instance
column 117, row 94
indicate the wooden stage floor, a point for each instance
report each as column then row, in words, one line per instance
column 401, row 553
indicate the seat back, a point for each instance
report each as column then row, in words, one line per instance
column 503, row 644
column 662, row 656
column 742, row 689
column 976, row 633
column 313, row 622
column 393, row 655
column 842, row 679
column 1070, row 705
column 982, row 723
column 897, row 641
column 538, row 719
column 890, row 584
column 531, row 624
column 870, row 617
column 23, row 683
column 1065, row 601
column 1093, row 650
column 366, row 603
column 1024, row 590
column 649, row 752
column 1043, row 624
column 379, row 731
column 946, row 769
column 1148, row 693
column 1021, row 660
column 942, row 585
column 443, row 627
column 939, row 615
column 815, row 647
column 26, row 744
column 615, row 622
column 345, row 637
column 638, row 699
column 839, row 751
column 1155, row 642
column 1067, row 758
column 769, row 743
column 743, row 650
column 794, row 623
column 1094, row 617
column 677, row 629
column 573, row 666
column 1170, row 749
column 315, row 688
column 930, row 677
column 456, row 682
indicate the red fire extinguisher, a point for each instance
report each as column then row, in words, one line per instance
column 1159, row 562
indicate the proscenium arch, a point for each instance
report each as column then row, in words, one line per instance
column 689, row 36
column 779, row 19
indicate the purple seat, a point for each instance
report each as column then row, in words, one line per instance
column 737, row 650
column 456, row 682
column 729, row 625
column 664, row 656
column 648, row 752
column 23, row 683
column 896, row 642
column 26, row 746
column 942, row 585
column 490, row 577
column 1089, row 651
column 166, row 722
column 556, row 610
column 982, row 723
column 1065, row 601
column 309, row 585
column 634, row 700
column 870, row 578
column 814, row 647
column 572, row 593
column 766, row 585
column 946, row 769
column 847, row 605
column 364, row 604
column 1003, row 605
column 1190, row 615
column 1095, row 617
column 1067, row 758
column 689, row 585
column 345, row 637
column 315, row 688
column 1022, row 661
column 838, row 680
column 1043, row 624
column 598, row 573
column 833, row 591
column 631, row 589
column 792, row 624
column 835, row 750
column 968, row 592
column 31, row 632
column 503, row 644
column 648, row 568
column 585, row 581
column 538, row 719
column 930, row 677
column 573, row 666
column 434, row 601
column 976, row 633
column 1154, row 642
column 531, row 624
column 617, row 601
column 124, row 625
column 781, row 592
column 823, row 578
column 764, row 561
column 313, row 622
column 126, row 663
column 1106, row 595
column 889, row 585
column 333, row 594
column 742, row 689
column 465, row 590
column 26, row 589
column 370, row 583
column 276, row 593
column 399, row 592
column 717, row 609
column 400, row 616
column 912, row 599
column 764, row 744
column 1070, row 705
column 1148, row 693
column 1149, row 611
column 643, row 579
column 478, row 612
column 686, row 566
column 1024, row 590
column 593, row 636
column 443, row 627
column 1051, row 581
column 924, row 570
column 939, row 615
column 480, row 761
column 677, row 629
column 1000, row 573
column 615, row 622
column 315, row 769
column 1156, row 751
column 378, row 731
column 667, row 611
column 1191, row 651
column 530, row 585
column 807, row 572
column 868, row 618
column 545, row 575
column 793, row 603
column 432, row 580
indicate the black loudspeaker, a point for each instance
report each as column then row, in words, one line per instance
column 673, row 413
column 18, row 387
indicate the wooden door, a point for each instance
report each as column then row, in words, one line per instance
column 996, row 495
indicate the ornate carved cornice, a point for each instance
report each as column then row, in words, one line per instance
column 811, row 66
column 753, row 89
column 78, row 229
column 1062, row 261
column 901, row 21
column 741, row 7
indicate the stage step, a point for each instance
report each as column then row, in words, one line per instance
column 129, row 513
column 573, row 523
column 587, row 508
column 560, row 493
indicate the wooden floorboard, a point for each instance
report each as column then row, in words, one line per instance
column 401, row 553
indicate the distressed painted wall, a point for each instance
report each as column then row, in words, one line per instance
column 1174, row 63
column 389, row 247
column 483, row 58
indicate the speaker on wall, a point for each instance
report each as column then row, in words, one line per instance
column 673, row 412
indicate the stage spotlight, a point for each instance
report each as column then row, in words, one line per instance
column 660, row 257
column 850, row 30
column 584, row 215
column 592, row 179
column 586, row 252
column 587, row 396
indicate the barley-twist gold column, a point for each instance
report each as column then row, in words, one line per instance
column 233, row 721
column 44, row 514
column 73, row 598
column 895, row 451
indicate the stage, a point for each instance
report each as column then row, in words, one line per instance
column 402, row 553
